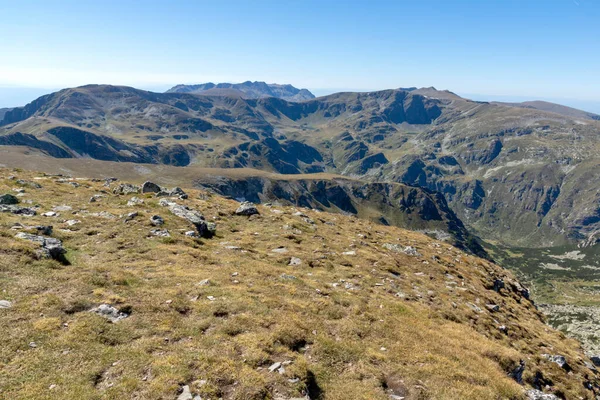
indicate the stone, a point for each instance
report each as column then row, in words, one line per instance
column 280, row 250
column 177, row 191
column 191, row 233
column 72, row 222
column 186, row 394
column 33, row 185
column 44, row 229
column 561, row 361
column 63, row 208
column 535, row 394
column 493, row 307
column 8, row 199
column 126, row 188
column 157, row 220
column 246, row 208
column 50, row 247
column 28, row 212
column 95, row 198
column 131, row 216
column 408, row 250
column 204, row 282
column 109, row 312
column 498, row 284
column 295, row 261
column 135, row 201
column 160, row 232
column 192, row 216
column 595, row 360
column 275, row 367
column 5, row 304
column 50, row 214
column 150, row 187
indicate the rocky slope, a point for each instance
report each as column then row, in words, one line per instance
column 250, row 90
column 277, row 302
column 512, row 173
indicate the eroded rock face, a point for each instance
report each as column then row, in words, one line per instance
column 50, row 247
column 535, row 394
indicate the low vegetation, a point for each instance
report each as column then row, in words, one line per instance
column 288, row 303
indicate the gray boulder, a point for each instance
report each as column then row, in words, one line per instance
column 192, row 216
column 150, row 187
column 50, row 247
column 126, row 188
column 8, row 199
column 561, row 361
column 29, row 212
column 109, row 312
column 246, row 208
column 535, row 394
column 157, row 220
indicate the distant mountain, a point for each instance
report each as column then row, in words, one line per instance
column 555, row 108
column 514, row 174
column 248, row 89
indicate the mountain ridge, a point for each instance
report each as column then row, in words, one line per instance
column 248, row 89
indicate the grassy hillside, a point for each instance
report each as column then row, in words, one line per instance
column 351, row 310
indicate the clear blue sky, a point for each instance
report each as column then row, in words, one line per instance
column 514, row 48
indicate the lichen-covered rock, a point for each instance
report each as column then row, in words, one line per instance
column 192, row 216
column 157, row 220
column 535, row 394
column 109, row 312
column 50, row 247
column 14, row 209
column 126, row 188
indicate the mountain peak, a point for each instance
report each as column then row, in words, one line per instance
column 249, row 89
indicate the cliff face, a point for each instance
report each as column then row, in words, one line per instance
column 386, row 203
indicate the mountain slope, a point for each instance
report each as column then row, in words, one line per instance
column 3, row 111
column 273, row 306
column 556, row 108
column 250, row 90
column 512, row 174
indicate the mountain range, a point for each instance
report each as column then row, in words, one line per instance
column 512, row 173
column 248, row 89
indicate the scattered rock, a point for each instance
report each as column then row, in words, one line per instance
column 109, row 312
column 29, row 212
column 72, row 222
column 246, row 208
column 295, row 261
column 135, row 201
column 191, row 233
column 192, row 216
column 349, row 253
column 150, row 187
column 95, row 198
column 5, row 304
column 33, row 185
column 535, row 394
column 131, row 216
column 160, row 232
column 493, row 307
column 63, row 208
column 50, row 214
column 561, row 361
column 275, row 367
column 8, row 199
column 50, row 247
column 157, row 220
column 44, row 229
column 177, row 192
column 498, row 284
column 204, row 282
column 186, row 394
column 126, row 188
column 280, row 250
column 595, row 360
column 408, row 250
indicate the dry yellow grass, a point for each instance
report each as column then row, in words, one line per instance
column 355, row 319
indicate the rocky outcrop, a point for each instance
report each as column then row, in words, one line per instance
column 389, row 203
column 49, row 247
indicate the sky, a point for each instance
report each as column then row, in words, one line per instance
column 483, row 49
